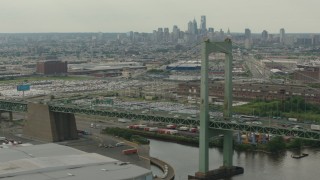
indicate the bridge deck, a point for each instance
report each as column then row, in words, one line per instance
column 217, row 123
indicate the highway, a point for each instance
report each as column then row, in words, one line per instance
column 216, row 122
column 256, row 68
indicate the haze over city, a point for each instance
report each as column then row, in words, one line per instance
column 159, row 90
column 144, row 15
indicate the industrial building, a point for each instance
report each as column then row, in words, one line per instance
column 52, row 67
column 185, row 66
column 53, row 161
column 307, row 74
column 250, row 91
column 104, row 70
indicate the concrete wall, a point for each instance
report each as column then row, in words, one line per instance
column 49, row 126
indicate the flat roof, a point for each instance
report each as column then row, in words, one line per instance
column 53, row 161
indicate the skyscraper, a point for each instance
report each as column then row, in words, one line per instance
column 247, row 38
column 203, row 26
column 166, row 34
column 195, row 27
column 282, row 36
column 247, row 33
column 160, row 34
column 264, row 35
column 175, row 33
column 210, row 30
column 190, row 27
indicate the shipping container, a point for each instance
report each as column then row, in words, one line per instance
column 171, row 126
column 129, row 151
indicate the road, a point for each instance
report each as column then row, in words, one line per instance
column 257, row 70
column 99, row 141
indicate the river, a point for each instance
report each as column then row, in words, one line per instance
column 257, row 165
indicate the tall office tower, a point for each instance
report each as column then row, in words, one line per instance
column 203, row 26
column 190, row 26
column 264, row 35
column 130, row 35
column 315, row 39
column 166, row 34
column 154, row 35
column 195, row 27
column 160, row 34
column 282, row 36
column 247, row 34
column 136, row 37
column 248, row 39
column 175, row 33
column 221, row 33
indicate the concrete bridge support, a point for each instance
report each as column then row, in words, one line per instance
column 10, row 115
column 45, row 125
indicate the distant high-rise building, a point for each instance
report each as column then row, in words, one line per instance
column 195, row 27
column 154, row 35
column 190, row 27
column 264, row 35
column 315, row 39
column 221, row 33
column 203, row 26
column 160, row 34
column 282, row 36
column 247, row 34
column 166, row 34
column 210, row 30
column 247, row 39
column 175, row 33
column 130, row 35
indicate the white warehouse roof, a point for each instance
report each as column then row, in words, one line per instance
column 53, row 161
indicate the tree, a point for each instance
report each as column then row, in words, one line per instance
column 276, row 144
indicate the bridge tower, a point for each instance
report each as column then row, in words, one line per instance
column 227, row 169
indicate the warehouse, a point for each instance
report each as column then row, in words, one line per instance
column 53, row 161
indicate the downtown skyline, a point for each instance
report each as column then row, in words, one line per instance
column 145, row 15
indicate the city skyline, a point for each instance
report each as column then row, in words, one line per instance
column 145, row 15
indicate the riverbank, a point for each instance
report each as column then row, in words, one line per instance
column 167, row 169
column 274, row 145
column 257, row 165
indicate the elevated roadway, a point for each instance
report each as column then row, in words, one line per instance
column 214, row 123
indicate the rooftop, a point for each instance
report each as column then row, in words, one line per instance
column 53, row 161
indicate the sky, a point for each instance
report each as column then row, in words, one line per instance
column 296, row 16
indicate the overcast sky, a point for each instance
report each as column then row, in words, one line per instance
column 296, row 16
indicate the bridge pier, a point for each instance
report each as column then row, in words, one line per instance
column 49, row 126
column 10, row 117
column 228, row 149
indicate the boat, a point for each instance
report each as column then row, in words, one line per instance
column 299, row 156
